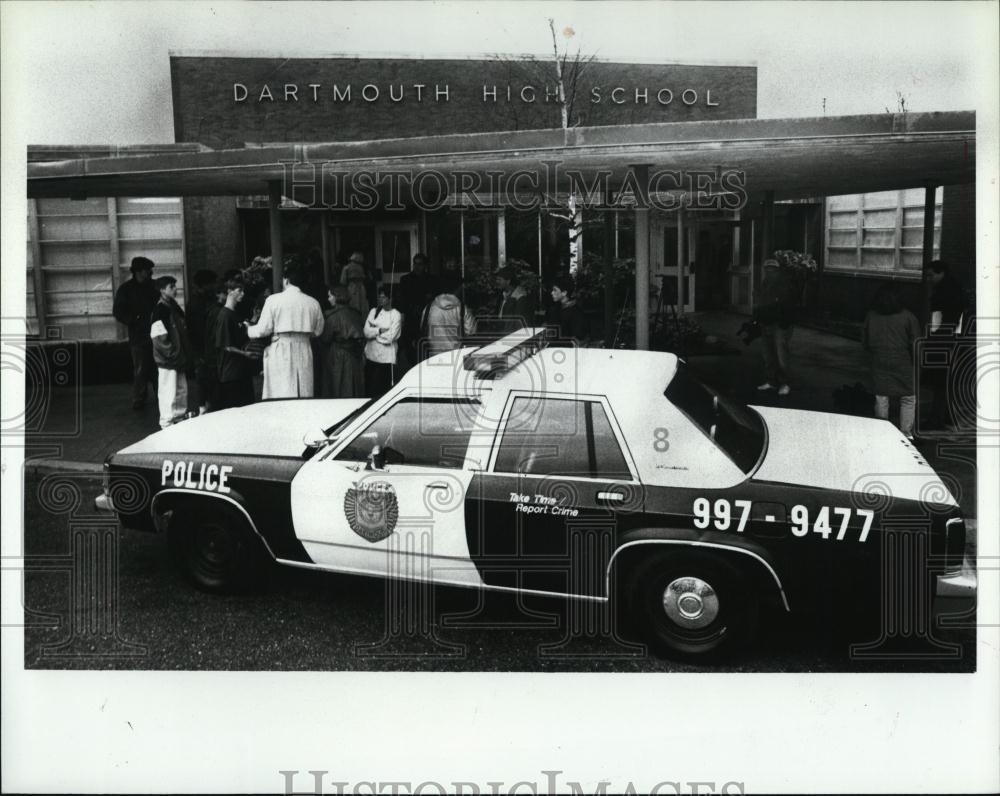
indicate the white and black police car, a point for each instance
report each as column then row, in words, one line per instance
column 604, row 475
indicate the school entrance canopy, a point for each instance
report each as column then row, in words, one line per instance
column 776, row 158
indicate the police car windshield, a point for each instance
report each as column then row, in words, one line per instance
column 336, row 428
column 734, row 427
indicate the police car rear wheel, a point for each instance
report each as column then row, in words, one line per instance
column 217, row 553
column 692, row 606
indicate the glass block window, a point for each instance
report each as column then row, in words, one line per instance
column 879, row 233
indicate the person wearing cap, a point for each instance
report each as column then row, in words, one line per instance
column 291, row 319
column 776, row 314
column 354, row 277
column 132, row 307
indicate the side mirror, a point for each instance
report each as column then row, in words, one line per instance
column 316, row 438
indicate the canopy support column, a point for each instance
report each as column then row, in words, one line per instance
column 609, row 275
column 641, row 173
column 274, row 214
column 930, row 205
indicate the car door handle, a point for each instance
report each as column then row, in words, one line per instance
column 438, row 486
column 611, row 497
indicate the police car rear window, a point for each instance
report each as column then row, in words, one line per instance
column 556, row 436
column 735, row 428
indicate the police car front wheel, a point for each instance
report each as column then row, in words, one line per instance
column 691, row 605
column 215, row 551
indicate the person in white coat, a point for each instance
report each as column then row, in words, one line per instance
column 290, row 318
column 382, row 329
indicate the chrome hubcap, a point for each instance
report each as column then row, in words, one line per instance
column 690, row 602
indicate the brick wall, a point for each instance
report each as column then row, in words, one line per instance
column 212, row 234
column 205, row 110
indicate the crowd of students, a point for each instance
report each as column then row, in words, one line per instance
column 239, row 342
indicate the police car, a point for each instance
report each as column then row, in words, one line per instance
column 602, row 475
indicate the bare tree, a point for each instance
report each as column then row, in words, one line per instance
column 565, row 69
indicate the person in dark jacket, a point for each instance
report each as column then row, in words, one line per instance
column 947, row 303
column 515, row 306
column 201, row 308
column 235, row 365
column 134, row 302
column 171, row 352
column 889, row 335
column 341, row 346
column 566, row 315
column 415, row 291
column 210, row 358
column 776, row 314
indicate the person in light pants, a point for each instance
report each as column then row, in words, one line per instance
column 171, row 352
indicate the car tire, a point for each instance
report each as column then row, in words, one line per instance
column 217, row 552
column 691, row 605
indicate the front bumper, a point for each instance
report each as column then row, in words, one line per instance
column 104, row 503
column 960, row 586
column 955, row 596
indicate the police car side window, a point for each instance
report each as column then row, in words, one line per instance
column 431, row 432
column 555, row 436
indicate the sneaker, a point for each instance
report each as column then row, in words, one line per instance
column 765, row 386
column 784, row 389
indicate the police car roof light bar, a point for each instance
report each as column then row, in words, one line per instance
column 500, row 356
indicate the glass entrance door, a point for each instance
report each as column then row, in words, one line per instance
column 671, row 268
column 395, row 245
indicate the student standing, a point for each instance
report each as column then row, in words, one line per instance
column 235, row 368
column 947, row 303
column 382, row 330
column 566, row 315
column 171, row 351
column 890, row 333
column 291, row 319
column 448, row 320
column 776, row 314
column 341, row 343
column 133, row 305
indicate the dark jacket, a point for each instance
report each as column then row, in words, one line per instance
column 517, row 308
column 133, row 305
column 891, row 339
column 230, row 333
column 414, row 292
column 778, row 300
column 171, row 347
column 947, row 298
column 570, row 321
column 210, row 346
